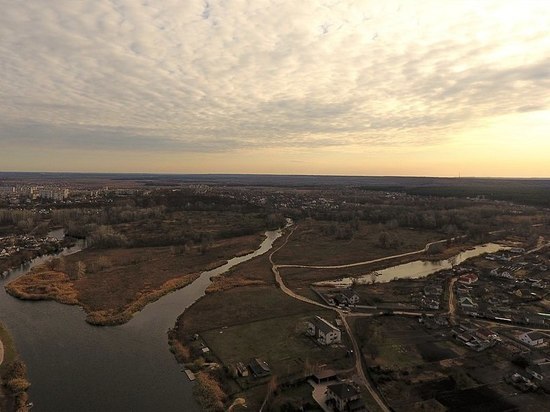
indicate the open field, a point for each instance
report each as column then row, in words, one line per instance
column 279, row 341
column 112, row 284
column 309, row 245
column 255, row 272
column 238, row 306
column 244, row 322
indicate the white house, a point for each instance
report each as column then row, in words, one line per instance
column 349, row 297
column 324, row 331
column 533, row 338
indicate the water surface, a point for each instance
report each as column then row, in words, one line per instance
column 74, row 366
column 418, row 268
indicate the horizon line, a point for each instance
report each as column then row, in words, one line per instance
column 275, row 174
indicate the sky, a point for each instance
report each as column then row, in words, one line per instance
column 420, row 88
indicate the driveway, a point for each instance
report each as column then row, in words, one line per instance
column 319, row 394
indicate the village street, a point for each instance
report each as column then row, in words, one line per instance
column 361, row 376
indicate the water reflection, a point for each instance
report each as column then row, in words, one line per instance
column 418, row 268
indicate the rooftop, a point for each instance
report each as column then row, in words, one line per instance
column 343, row 390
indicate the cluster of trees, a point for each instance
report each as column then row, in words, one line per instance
column 341, row 230
column 105, row 237
column 16, row 377
column 388, row 240
column 136, row 221
column 449, row 216
column 23, row 220
column 208, row 393
column 16, row 382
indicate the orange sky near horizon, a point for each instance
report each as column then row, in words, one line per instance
column 357, row 87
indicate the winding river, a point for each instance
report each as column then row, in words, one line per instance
column 74, row 366
column 418, row 268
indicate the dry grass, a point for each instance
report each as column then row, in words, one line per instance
column 237, row 306
column 208, row 393
column 255, row 272
column 106, row 317
column 43, row 284
column 127, row 279
column 310, row 246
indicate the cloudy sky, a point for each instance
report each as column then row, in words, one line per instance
column 308, row 87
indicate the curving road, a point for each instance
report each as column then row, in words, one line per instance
column 365, row 262
column 359, row 365
column 358, row 361
column 275, row 268
column 452, row 300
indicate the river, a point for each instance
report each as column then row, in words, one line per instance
column 74, row 366
column 418, row 268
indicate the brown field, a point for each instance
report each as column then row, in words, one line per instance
column 243, row 322
column 45, row 284
column 308, row 245
column 255, row 272
column 119, row 282
column 238, row 306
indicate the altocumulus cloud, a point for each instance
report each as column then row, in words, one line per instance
column 220, row 75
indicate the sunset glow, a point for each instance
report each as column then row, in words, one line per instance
column 355, row 87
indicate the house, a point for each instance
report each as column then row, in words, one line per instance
column 259, row 368
column 467, row 302
column 350, row 296
column 486, row 334
column 540, row 369
column 468, row 279
column 345, row 397
column 241, row 369
column 324, row 332
column 533, row 338
column 342, row 297
column 324, row 375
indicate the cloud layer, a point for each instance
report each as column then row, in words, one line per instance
column 213, row 76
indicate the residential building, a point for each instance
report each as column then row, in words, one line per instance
column 533, row 338
column 342, row 297
column 349, row 296
column 345, row 397
column 468, row 279
column 324, row 332
column 540, row 369
column 259, row 368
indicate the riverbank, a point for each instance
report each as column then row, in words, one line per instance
column 26, row 248
column 56, row 286
column 243, row 316
column 13, row 376
column 112, row 285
